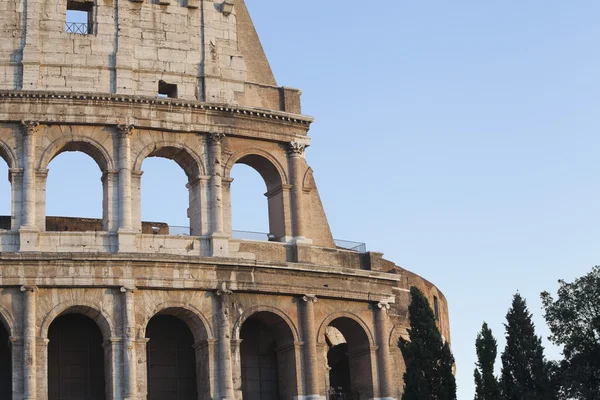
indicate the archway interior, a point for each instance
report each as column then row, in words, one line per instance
column 5, row 364
column 171, row 359
column 75, row 359
column 275, row 197
column 164, row 197
column 249, row 208
column 349, row 358
column 74, row 190
column 268, row 358
column 5, row 197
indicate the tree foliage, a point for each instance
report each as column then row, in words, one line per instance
column 525, row 372
column 486, row 384
column 429, row 361
column 574, row 320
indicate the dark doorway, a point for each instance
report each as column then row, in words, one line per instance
column 5, row 364
column 75, row 359
column 339, row 375
column 268, row 358
column 171, row 360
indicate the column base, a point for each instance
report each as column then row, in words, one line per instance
column 29, row 238
column 219, row 244
column 383, row 398
column 126, row 241
column 310, row 397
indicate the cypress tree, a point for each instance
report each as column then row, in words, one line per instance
column 429, row 361
column 525, row 372
column 486, row 384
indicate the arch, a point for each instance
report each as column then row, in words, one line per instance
column 196, row 321
column 8, row 155
column 263, row 162
column 258, row 309
column 7, row 320
column 344, row 314
column 6, row 362
column 92, row 310
column 182, row 154
column 86, row 145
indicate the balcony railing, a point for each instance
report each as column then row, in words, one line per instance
column 266, row 237
column 79, row 28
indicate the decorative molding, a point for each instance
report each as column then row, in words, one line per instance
column 30, row 127
column 28, row 288
column 242, row 111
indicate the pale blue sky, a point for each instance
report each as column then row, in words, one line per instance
column 459, row 138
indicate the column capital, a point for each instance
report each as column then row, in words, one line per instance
column 125, row 129
column 309, row 298
column 296, row 149
column 383, row 305
column 30, row 127
column 29, row 288
column 128, row 289
column 216, row 138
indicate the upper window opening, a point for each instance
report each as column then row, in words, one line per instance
column 436, row 307
column 167, row 90
column 79, row 17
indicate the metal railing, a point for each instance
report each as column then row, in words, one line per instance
column 79, row 28
column 359, row 247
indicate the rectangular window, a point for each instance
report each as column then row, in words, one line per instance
column 167, row 90
column 436, row 308
column 79, row 17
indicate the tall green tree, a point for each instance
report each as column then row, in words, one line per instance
column 525, row 372
column 486, row 384
column 574, row 320
column 429, row 361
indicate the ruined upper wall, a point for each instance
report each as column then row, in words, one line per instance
column 130, row 46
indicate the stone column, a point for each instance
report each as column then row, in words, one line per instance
column 296, row 156
column 219, row 240
column 384, row 362
column 226, row 369
column 216, row 190
column 16, row 183
column 129, row 346
column 30, row 128
column 125, row 132
column 109, row 203
column 311, row 367
column 29, row 342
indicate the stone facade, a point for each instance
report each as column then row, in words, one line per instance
column 279, row 319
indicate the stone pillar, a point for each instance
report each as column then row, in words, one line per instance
column 226, row 369
column 125, row 132
column 129, row 346
column 309, row 334
column 219, row 242
column 30, row 128
column 31, row 50
column 109, row 203
column 126, row 231
column 384, row 362
column 112, row 365
column 29, row 342
column 142, row 367
column 15, row 176
column 296, row 158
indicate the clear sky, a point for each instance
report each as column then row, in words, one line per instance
column 460, row 138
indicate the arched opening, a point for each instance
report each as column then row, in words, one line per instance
column 5, row 197
column 249, row 209
column 268, row 356
column 75, row 359
column 174, row 174
column 171, row 360
column 246, row 196
column 76, row 192
column 5, row 364
column 349, row 360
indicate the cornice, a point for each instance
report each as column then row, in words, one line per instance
column 178, row 103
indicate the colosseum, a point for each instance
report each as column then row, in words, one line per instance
column 119, row 308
